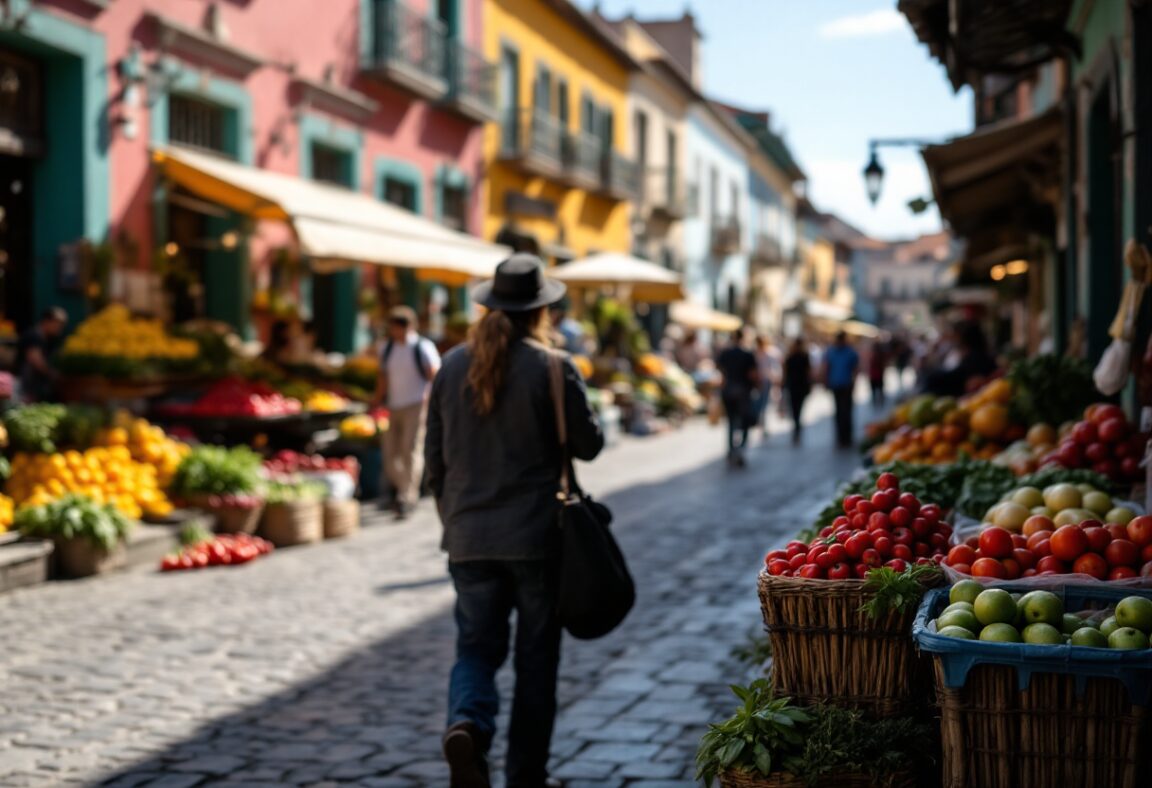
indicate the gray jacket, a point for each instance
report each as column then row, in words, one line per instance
column 495, row 477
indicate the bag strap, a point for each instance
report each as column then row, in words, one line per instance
column 556, row 384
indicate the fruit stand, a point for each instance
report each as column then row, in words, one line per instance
column 985, row 581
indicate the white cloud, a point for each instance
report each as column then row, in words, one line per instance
column 874, row 23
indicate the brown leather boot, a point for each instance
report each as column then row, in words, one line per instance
column 465, row 756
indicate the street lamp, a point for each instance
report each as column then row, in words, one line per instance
column 873, row 177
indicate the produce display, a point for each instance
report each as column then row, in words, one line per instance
column 364, row 426
column 1051, row 389
column 942, row 429
column 7, row 510
column 44, row 428
column 321, row 401
column 237, row 398
column 1104, row 551
column 114, row 343
column 1064, row 504
column 218, row 471
column 287, row 463
column 74, row 516
column 1039, row 618
column 889, row 528
column 219, row 550
column 147, row 443
column 1104, row 441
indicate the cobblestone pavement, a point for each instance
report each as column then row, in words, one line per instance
column 327, row 665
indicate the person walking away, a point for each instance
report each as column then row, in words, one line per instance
column 408, row 364
column 34, row 350
column 738, row 386
column 494, row 462
column 841, row 363
column 877, row 364
column 769, row 367
column 798, row 382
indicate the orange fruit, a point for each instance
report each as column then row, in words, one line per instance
column 990, row 421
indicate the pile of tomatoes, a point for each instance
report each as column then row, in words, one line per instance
column 1104, row 441
column 890, row 528
column 222, row 550
column 1104, row 551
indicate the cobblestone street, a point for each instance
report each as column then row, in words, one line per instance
column 327, row 665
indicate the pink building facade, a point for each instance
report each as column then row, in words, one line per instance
column 381, row 96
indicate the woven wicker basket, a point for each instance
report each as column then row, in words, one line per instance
column 825, row 650
column 341, row 517
column 230, row 519
column 293, row 522
column 741, row 779
column 80, row 557
column 996, row 735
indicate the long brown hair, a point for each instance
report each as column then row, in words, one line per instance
column 490, row 340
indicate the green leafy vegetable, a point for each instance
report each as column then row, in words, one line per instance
column 898, row 591
column 291, row 491
column 74, row 516
column 842, row 741
column 1051, row 389
column 215, row 470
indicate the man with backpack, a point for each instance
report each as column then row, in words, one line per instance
column 408, row 362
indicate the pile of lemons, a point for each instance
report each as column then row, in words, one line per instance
column 147, row 443
column 113, row 332
column 7, row 509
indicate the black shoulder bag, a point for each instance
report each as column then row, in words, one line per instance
column 596, row 588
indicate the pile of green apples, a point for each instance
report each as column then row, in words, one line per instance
column 1039, row 618
column 1063, row 504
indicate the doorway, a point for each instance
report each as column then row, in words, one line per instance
column 17, row 284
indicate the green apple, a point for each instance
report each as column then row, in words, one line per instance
column 1135, row 612
column 1120, row 514
column 1000, row 633
column 994, row 606
column 1109, row 625
column 1085, row 488
column 1029, row 497
column 1042, row 607
column 1070, row 517
column 1043, row 511
column 1097, row 502
column 1087, row 636
column 1011, row 516
column 957, row 632
column 959, row 618
column 965, row 591
column 957, row 606
column 1042, row 634
column 1072, row 622
column 1059, row 497
column 1127, row 639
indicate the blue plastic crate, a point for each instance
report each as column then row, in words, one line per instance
column 957, row 657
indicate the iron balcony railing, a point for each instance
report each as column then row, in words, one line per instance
column 766, row 250
column 408, row 39
column 471, row 79
column 725, row 234
column 528, row 133
column 620, row 176
column 582, row 157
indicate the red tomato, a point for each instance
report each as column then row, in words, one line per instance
column 794, row 547
column 1121, row 552
column 1011, row 569
column 900, row 516
column 170, row 563
column 973, row 542
column 930, row 512
column 778, row 566
column 1116, row 531
column 774, row 554
column 902, row 551
column 811, row 571
column 1122, row 573
column 860, row 521
column 1095, row 452
column 879, row 521
column 1019, row 540
column 960, row 554
column 921, row 549
column 1069, row 543
column 851, row 502
column 1036, row 538
column 840, row 572
column 1085, row 432
column 842, row 535
column 865, row 507
column 938, row 540
column 797, row 561
column 1042, row 548
column 944, row 528
column 857, row 544
column 1025, row 557
column 883, row 545
column 910, row 502
column 862, row 571
column 1091, row 564
column 988, row 567
column 1146, row 553
column 872, row 557
column 843, row 521
column 996, row 542
column 823, row 560
column 903, row 536
column 1130, row 467
column 963, row 569
column 1098, row 538
column 838, row 553
column 897, row 564
column 1028, row 573
column 1102, row 412
column 921, row 527
column 1051, row 563
column 887, row 481
column 1140, row 530
column 1113, row 430
column 1090, row 523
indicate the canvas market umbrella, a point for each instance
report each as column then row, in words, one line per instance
column 630, row 277
column 692, row 315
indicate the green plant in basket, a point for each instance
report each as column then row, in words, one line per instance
column 843, row 741
column 293, row 491
column 898, row 591
column 764, row 735
column 74, row 516
column 216, row 470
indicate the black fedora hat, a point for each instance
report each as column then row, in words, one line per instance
column 519, row 286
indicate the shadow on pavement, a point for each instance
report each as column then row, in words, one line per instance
column 694, row 541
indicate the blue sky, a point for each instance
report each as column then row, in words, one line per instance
column 834, row 73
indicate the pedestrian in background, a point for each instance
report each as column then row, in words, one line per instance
column 841, row 364
column 769, row 365
column 798, row 382
column 34, row 351
column 408, row 363
column 740, row 381
column 494, row 462
column 877, row 365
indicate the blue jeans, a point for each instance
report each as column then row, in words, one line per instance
column 486, row 594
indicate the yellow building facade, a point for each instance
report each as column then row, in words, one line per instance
column 560, row 176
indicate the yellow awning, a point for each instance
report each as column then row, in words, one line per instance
column 334, row 226
column 631, row 277
column 692, row 315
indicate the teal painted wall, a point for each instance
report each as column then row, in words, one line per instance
column 71, row 185
column 334, row 303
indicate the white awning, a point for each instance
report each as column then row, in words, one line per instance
column 692, row 315
column 637, row 279
column 335, row 226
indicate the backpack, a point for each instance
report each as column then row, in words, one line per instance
column 421, row 366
